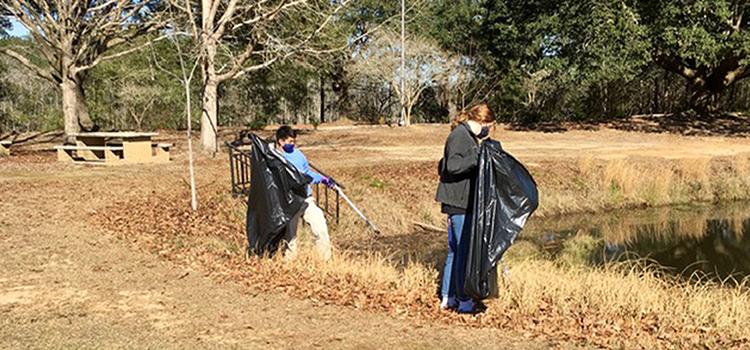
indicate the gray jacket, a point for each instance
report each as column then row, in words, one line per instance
column 458, row 167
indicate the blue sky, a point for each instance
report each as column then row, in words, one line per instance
column 18, row 29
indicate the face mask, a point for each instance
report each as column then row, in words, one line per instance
column 484, row 133
column 288, row 148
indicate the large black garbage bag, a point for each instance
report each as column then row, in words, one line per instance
column 277, row 193
column 505, row 195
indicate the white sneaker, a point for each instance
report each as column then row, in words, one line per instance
column 448, row 303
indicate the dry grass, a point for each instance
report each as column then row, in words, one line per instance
column 637, row 300
column 595, row 184
column 616, row 306
column 606, row 305
column 619, row 306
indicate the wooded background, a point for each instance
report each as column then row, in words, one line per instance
column 117, row 63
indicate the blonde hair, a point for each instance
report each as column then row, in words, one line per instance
column 481, row 113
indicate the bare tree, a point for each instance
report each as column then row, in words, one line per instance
column 187, row 75
column 188, row 65
column 239, row 37
column 467, row 87
column 72, row 37
column 426, row 65
column 138, row 102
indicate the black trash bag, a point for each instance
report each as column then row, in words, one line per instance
column 277, row 193
column 504, row 197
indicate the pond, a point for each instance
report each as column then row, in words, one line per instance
column 704, row 241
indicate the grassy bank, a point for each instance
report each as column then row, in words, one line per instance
column 617, row 306
column 592, row 185
column 401, row 194
column 632, row 306
column 391, row 175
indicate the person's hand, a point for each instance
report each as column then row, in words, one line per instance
column 328, row 182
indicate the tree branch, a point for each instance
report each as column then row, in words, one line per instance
column 226, row 17
column 735, row 22
column 47, row 74
column 269, row 15
column 366, row 34
column 674, row 65
column 102, row 58
column 256, row 67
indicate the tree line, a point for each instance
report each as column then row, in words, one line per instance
column 115, row 64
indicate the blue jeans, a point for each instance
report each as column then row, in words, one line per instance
column 455, row 264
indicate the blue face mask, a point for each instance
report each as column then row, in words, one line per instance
column 288, row 148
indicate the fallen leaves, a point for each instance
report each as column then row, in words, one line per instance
column 177, row 234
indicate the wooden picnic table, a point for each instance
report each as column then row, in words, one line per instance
column 112, row 148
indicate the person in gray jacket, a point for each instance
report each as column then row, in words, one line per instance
column 458, row 171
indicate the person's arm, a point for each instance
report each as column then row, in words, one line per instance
column 316, row 178
column 461, row 156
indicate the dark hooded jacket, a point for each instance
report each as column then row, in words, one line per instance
column 457, row 170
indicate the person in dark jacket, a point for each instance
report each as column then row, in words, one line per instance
column 458, row 170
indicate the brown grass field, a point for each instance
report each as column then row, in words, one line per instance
column 113, row 257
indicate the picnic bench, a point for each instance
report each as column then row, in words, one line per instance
column 5, row 148
column 114, row 148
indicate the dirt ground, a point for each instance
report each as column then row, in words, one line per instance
column 66, row 283
column 350, row 147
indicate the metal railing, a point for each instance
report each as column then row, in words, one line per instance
column 240, row 162
column 332, row 211
column 239, row 169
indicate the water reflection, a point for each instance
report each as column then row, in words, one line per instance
column 687, row 241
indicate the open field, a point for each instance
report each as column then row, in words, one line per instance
column 118, row 248
column 67, row 283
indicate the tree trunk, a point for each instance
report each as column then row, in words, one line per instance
column 704, row 102
column 322, row 99
column 705, row 85
column 70, row 107
column 209, row 117
column 191, row 165
column 84, row 120
column 605, row 100
column 210, row 103
column 656, row 105
column 75, row 111
column 731, row 98
column 407, row 114
column 447, row 102
column 704, row 96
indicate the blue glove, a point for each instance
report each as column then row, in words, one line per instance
column 328, row 182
